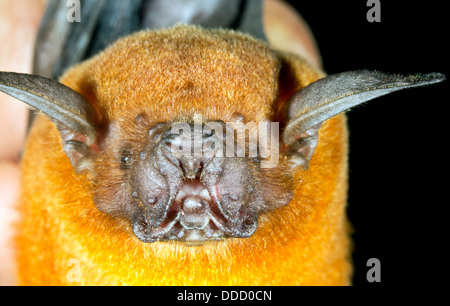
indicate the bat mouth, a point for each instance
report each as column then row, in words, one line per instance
column 194, row 215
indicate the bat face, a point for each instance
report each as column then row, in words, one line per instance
column 168, row 191
column 154, row 122
column 196, row 101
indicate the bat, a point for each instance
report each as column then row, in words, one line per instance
column 103, row 178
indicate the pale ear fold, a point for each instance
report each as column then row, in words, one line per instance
column 327, row 97
column 72, row 113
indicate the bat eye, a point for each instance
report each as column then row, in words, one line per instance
column 125, row 159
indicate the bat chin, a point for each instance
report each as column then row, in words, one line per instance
column 193, row 216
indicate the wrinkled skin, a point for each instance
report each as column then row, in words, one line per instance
column 169, row 195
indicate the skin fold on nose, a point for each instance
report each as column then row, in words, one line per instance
column 191, row 167
column 190, row 149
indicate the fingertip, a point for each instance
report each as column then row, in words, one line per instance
column 9, row 190
column 287, row 31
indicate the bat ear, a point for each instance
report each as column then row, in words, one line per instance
column 327, row 97
column 71, row 112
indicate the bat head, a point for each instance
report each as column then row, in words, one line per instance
column 178, row 129
column 182, row 185
column 171, row 162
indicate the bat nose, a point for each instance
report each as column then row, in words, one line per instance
column 190, row 150
column 181, row 155
column 191, row 167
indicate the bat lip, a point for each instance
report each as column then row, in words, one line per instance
column 193, row 215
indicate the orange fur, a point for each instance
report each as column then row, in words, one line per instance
column 172, row 74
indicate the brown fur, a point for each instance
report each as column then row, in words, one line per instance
column 168, row 75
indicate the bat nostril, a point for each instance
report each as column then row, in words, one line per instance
column 174, row 147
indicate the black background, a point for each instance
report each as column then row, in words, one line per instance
column 398, row 151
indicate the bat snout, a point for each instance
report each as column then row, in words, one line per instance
column 192, row 216
column 196, row 193
column 189, row 147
